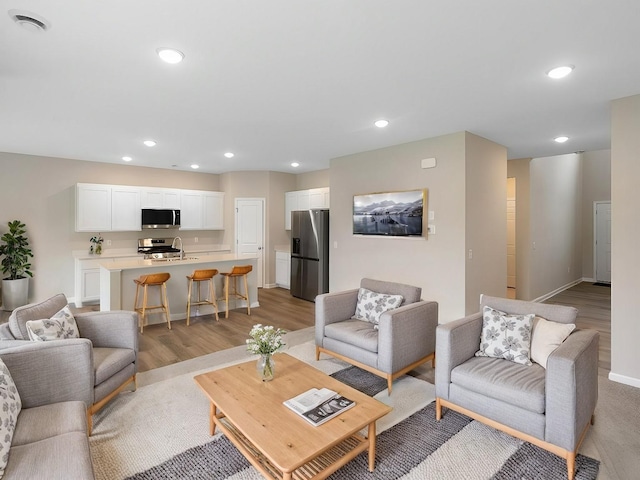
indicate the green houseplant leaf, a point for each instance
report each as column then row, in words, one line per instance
column 16, row 252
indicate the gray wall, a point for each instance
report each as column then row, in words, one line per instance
column 625, row 254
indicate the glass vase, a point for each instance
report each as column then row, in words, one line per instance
column 266, row 367
column 98, row 249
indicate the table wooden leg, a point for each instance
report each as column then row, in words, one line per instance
column 372, row 446
column 287, row 476
column 212, row 415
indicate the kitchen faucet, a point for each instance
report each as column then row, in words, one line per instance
column 173, row 245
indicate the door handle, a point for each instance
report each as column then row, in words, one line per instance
column 259, row 248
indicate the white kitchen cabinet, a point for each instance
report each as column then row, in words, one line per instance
column 156, row 197
column 93, row 207
column 201, row 210
column 125, row 209
column 283, row 269
column 87, row 281
column 304, row 200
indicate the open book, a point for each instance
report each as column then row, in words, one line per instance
column 318, row 406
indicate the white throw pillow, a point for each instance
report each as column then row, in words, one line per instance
column 505, row 336
column 61, row 325
column 10, row 406
column 372, row 304
column 546, row 337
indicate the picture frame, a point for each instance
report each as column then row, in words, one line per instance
column 391, row 214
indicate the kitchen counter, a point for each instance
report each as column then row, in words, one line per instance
column 117, row 289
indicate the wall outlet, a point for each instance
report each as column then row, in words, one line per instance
column 108, row 243
column 431, row 229
column 470, row 254
column 432, row 215
column 195, row 239
column 335, row 244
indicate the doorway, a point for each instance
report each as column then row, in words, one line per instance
column 511, row 238
column 602, row 241
column 249, row 232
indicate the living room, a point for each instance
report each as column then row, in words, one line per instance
column 462, row 259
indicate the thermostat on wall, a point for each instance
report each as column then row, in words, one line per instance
column 428, row 162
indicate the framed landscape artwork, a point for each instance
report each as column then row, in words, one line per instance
column 395, row 214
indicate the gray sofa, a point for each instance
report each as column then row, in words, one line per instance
column 111, row 340
column 53, row 380
column 550, row 408
column 404, row 339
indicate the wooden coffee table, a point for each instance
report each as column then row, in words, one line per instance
column 277, row 442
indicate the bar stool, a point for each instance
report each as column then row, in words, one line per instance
column 152, row 280
column 202, row 276
column 237, row 271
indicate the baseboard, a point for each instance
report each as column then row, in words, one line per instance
column 585, row 279
column 631, row 381
column 557, row 291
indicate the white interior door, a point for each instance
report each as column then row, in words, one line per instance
column 511, row 233
column 250, row 231
column 602, row 236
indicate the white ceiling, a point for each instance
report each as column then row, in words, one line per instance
column 303, row 80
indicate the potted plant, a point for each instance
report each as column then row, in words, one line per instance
column 15, row 262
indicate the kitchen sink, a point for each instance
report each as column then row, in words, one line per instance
column 172, row 259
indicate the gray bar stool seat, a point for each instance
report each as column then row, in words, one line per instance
column 152, row 280
column 199, row 276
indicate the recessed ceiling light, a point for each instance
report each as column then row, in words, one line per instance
column 295, row 164
column 170, row 55
column 560, row 72
column 561, row 139
column 228, row 155
column 29, row 21
column 381, row 123
column 150, row 143
column 127, row 158
column 195, row 166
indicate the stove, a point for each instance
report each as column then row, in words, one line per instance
column 157, row 248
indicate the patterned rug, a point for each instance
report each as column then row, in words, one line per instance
column 417, row 448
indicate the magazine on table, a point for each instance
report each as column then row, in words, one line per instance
column 317, row 406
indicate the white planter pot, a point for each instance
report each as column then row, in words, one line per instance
column 15, row 293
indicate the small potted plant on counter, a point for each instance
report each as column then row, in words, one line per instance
column 15, row 262
column 96, row 244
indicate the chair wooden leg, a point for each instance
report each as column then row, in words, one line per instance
column 212, row 296
column 246, row 292
column 165, row 304
column 144, row 306
column 438, row 409
column 571, row 465
column 189, row 301
column 89, row 421
column 389, row 383
column 226, row 295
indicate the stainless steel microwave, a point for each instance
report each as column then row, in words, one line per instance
column 160, row 218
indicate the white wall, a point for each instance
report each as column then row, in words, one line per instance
column 625, row 254
column 438, row 263
column 596, row 187
column 556, row 223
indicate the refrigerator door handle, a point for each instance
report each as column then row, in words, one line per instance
column 295, row 246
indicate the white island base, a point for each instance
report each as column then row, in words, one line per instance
column 117, row 289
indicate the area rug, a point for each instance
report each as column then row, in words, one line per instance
column 140, row 430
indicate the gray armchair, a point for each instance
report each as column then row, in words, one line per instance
column 111, row 346
column 404, row 339
column 549, row 408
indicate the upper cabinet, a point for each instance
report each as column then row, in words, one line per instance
column 201, row 210
column 152, row 197
column 93, row 207
column 304, row 200
column 109, row 208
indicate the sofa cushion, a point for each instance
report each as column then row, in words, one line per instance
column 46, row 421
column 546, row 337
column 34, row 311
column 410, row 294
column 373, row 304
column 64, row 456
column 505, row 336
column 354, row 332
column 109, row 361
column 515, row 384
column 10, row 406
column 60, row 326
column 555, row 313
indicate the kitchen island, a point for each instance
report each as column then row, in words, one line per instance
column 117, row 289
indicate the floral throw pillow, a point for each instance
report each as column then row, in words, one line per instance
column 506, row 336
column 10, row 405
column 62, row 325
column 372, row 304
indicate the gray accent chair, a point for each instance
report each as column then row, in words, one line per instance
column 50, row 437
column 405, row 337
column 111, row 337
column 550, row 408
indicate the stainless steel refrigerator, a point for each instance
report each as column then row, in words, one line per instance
column 309, row 253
